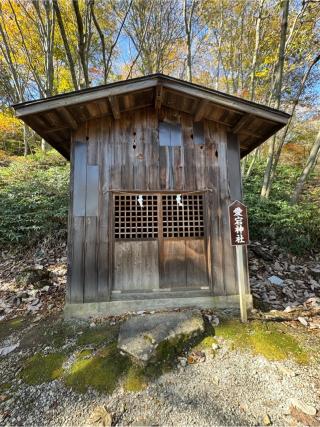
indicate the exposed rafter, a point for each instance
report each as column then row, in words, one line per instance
column 67, row 117
column 114, row 104
column 245, row 119
column 158, row 97
column 55, row 118
column 202, row 109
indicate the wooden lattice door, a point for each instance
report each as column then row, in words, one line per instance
column 182, row 242
column 159, row 241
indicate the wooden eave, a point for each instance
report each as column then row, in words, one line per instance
column 56, row 117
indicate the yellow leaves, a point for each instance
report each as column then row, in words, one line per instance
column 8, row 124
column 263, row 73
column 64, row 81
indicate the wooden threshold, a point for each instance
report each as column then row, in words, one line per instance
column 159, row 294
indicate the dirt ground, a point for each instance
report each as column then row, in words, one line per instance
column 61, row 373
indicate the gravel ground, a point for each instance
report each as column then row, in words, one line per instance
column 234, row 388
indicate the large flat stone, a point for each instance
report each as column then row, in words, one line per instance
column 140, row 336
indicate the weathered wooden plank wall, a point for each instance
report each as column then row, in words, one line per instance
column 110, row 155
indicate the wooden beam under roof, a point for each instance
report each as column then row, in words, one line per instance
column 114, row 104
column 36, row 122
column 243, row 121
column 104, row 106
column 158, row 97
column 67, row 117
column 52, row 130
column 201, row 111
column 93, row 109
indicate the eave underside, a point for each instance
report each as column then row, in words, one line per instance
column 55, row 125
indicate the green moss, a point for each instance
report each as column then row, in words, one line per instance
column 39, row 368
column 10, row 326
column 206, row 343
column 101, row 371
column 135, row 379
column 85, row 353
column 267, row 339
column 4, row 387
column 16, row 323
column 50, row 332
column 98, row 335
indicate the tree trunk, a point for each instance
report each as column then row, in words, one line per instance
column 25, row 140
column 188, row 30
column 44, row 145
column 82, row 38
column 114, row 44
column 256, row 50
column 277, row 93
column 253, row 160
column 312, row 159
column 284, row 135
column 66, row 44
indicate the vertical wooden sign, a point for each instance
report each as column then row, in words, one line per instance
column 239, row 235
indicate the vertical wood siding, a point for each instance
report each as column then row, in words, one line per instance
column 125, row 154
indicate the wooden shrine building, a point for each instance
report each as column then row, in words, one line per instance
column 155, row 162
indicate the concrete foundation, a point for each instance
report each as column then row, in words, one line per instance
column 114, row 308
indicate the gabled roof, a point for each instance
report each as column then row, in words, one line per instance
column 56, row 117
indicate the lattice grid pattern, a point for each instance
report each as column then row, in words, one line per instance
column 183, row 218
column 133, row 221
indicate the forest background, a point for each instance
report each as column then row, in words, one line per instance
column 267, row 51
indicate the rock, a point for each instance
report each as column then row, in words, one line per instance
column 261, row 253
column 303, row 407
column 140, row 336
column 314, row 283
column 315, row 273
column 215, row 321
column 34, row 308
column 34, row 276
column 302, row 418
column 100, row 417
column 266, row 420
column 9, row 349
column 286, row 371
column 277, row 266
column 183, row 361
column 275, row 280
column 303, row 321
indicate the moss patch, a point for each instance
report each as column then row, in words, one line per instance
column 135, row 379
column 4, row 387
column 98, row 335
column 268, row 339
column 85, row 353
column 50, row 332
column 39, row 368
column 101, row 371
column 10, row 326
column 206, row 343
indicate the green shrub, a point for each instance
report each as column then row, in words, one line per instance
column 34, row 199
column 294, row 227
